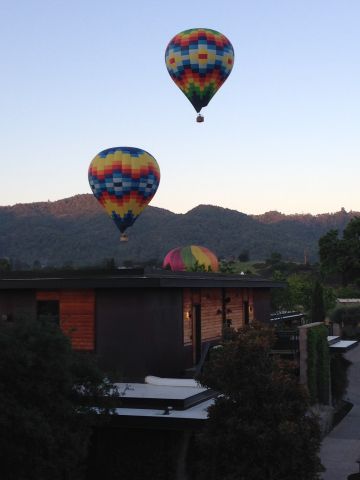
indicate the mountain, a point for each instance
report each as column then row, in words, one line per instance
column 76, row 230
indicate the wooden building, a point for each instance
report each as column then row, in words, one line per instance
column 138, row 322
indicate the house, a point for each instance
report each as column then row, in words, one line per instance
column 138, row 322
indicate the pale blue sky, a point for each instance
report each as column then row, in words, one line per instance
column 79, row 76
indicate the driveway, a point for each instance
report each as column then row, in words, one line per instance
column 341, row 448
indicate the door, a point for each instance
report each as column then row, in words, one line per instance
column 246, row 312
column 196, row 333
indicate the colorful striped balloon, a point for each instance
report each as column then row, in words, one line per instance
column 199, row 61
column 124, row 180
column 188, row 258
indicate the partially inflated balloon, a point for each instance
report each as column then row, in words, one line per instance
column 191, row 257
column 199, row 61
column 124, row 180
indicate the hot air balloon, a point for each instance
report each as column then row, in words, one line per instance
column 124, row 180
column 191, row 257
column 199, row 61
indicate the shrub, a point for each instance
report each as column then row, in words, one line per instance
column 47, row 395
column 318, row 366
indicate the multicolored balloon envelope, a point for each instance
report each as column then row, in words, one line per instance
column 199, row 61
column 124, row 180
column 188, row 258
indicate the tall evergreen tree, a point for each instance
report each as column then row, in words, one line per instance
column 317, row 313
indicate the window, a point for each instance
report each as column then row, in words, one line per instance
column 48, row 310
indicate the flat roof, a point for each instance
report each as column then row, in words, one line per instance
column 343, row 345
column 197, row 412
column 128, row 278
column 149, row 396
column 162, row 406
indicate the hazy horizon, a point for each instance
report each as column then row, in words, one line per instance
column 195, row 206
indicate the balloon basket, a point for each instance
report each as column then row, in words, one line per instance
column 199, row 118
column 124, row 237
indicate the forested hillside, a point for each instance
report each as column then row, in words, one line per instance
column 77, row 231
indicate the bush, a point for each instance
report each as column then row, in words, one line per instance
column 47, row 395
column 349, row 319
column 318, row 367
column 259, row 426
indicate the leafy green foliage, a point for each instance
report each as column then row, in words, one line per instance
column 349, row 318
column 350, row 291
column 303, row 292
column 318, row 364
column 275, row 260
column 259, row 427
column 341, row 256
column 5, row 265
column 299, row 286
column 47, row 395
column 317, row 312
column 346, row 314
column 227, row 266
column 296, row 295
column 329, row 251
column 199, row 267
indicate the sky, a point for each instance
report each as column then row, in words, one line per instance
column 282, row 133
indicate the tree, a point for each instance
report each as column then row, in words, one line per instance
column 275, row 258
column 5, row 265
column 47, row 396
column 244, row 256
column 109, row 263
column 329, row 252
column 341, row 255
column 36, row 265
column 227, row 266
column 300, row 288
column 199, row 267
column 295, row 296
column 280, row 297
column 317, row 312
column 259, row 426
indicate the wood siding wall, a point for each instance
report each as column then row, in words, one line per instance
column 77, row 315
column 235, row 307
column 211, row 301
column 211, row 318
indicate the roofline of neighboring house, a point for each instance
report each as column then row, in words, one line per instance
column 128, row 278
